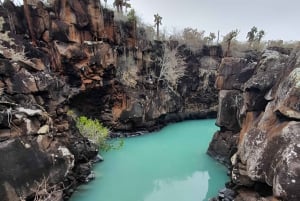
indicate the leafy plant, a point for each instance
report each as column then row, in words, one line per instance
column 95, row 131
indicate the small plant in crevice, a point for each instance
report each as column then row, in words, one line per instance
column 95, row 131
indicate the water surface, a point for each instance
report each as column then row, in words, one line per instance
column 169, row 165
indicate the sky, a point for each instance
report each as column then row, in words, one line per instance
column 280, row 19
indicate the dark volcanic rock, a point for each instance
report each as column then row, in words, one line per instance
column 223, row 146
column 267, row 156
column 233, row 73
column 230, row 105
column 74, row 54
column 38, row 141
column 21, row 158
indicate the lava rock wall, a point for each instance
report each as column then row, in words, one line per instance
column 259, row 114
column 73, row 54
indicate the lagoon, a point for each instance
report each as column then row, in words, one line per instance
column 168, row 165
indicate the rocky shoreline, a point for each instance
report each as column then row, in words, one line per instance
column 259, row 125
column 75, row 55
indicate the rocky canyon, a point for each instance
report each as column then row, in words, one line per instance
column 78, row 55
column 74, row 55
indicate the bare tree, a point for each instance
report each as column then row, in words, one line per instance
column 46, row 192
column 157, row 21
column 172, row 68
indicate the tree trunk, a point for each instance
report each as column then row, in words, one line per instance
column 134, row 33
column 157, row 31
column 228, row 48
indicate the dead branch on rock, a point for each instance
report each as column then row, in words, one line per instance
column 172, row 69
column 45, row 192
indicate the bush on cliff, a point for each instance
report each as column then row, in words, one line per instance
column 95, row 131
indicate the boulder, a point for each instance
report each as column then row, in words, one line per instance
column 223, row 146
column 21, row 158
column 288, row 96
column 230, row 104
column 233, row 73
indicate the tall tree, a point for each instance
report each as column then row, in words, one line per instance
column 126, row 5
column 212, row 36
column 157, row 21
column 228, row 39
column 119, row 5
column 254, row 37
column 209, row 39
column 260, row 35
column 251, row 35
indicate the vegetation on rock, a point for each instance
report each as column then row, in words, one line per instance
column 95, row 131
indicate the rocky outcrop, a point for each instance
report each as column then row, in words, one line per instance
column 232, row 74
column 132, row 97
column 38, row 141
column 265, row 120
column 73, row 54
column 123, row 79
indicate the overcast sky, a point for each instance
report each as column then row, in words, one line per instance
column 280, row 19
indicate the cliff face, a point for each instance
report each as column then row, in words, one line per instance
column 121, row 78
column 38, row 141
column 133, row 97
column 259, row 113
column 73, row 54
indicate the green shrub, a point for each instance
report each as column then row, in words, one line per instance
column 92, row 129
column 96, row 132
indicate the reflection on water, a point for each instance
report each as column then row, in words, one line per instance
column 169, row 165
column 192, row 188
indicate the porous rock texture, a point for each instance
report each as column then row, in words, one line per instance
column 123, row 78
column 73, row 54
column 259, row 113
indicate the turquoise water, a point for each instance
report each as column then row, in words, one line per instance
column 169, row 165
